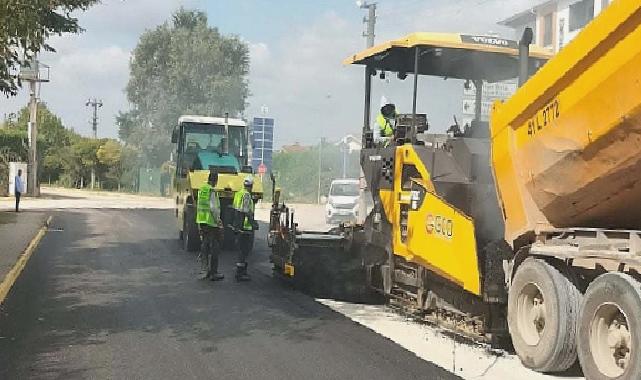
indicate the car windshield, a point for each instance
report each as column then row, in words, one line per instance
column 203, row 146
column 344, row 190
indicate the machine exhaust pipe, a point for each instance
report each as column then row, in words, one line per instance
column 524, row 55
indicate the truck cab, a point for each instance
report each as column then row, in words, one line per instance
column 219, row 143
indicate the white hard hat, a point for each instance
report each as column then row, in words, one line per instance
column 249, row 181
column 385, row 101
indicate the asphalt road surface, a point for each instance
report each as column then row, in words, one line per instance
column 112, row 296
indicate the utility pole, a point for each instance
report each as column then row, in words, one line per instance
column 32, row 166
column 345, row 150
column 369, row 21
column 32, row 75
column 94, row 103
column 94, row 121
column 370, row 33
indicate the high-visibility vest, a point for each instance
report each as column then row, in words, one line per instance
column 204, row 213
column 384, row 125
column 240, row 197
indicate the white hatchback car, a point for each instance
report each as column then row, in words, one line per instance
column 342, row 201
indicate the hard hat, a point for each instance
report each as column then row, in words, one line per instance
column 249, row 181
column 385, row 101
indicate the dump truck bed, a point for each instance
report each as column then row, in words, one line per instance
column 566, row 149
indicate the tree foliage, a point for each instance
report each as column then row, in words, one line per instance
column 67, row 158
column 25, row 26
column 181, row 67
column 52, row 136
column 112, row 156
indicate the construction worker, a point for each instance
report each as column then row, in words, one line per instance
column 245, row 226
column 209, row 221
column 386, row 120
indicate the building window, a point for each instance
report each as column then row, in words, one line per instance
column 580, row 14
column 547, row 30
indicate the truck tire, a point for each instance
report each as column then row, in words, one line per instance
column 609, row 336
column 191, row 237
column 543, row 309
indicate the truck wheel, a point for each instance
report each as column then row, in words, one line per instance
column 609, row 336
column 543, row 307
column 191, row 239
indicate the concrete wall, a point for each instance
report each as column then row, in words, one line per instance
column 13, row 171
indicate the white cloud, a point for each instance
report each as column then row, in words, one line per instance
column 299, row 76
column 76, row 75
column 259, row 53
column 312, row 95
column 95, row 63
column 304, row 84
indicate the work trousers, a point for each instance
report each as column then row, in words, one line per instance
column 210, row 248
column 18, row 194
column 246, row 244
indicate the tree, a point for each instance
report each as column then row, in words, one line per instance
column 52, row 136
column 25, row 27
column 67, row 158
column 110, row 155
column 50, row 127
column 78, row 159
column 182, row 67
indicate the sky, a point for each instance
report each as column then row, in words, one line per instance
column 296, row 50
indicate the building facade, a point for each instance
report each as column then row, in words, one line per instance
column 555, row 23
column 262, row 142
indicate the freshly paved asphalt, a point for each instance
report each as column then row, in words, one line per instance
column 112, row 296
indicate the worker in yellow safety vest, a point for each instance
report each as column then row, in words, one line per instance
column 211, row 231
column 386, row 120
column 245, row 225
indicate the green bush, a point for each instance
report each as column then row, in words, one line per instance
column 15, row 142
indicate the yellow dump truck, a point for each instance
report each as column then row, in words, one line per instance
column 527, row 228
column 202, row 143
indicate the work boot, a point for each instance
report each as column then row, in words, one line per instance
column 203, row 275
column 217, row 277
column 241, row 272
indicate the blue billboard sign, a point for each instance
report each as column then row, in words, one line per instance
column 262, row 142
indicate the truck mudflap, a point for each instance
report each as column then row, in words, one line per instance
column 320, row 264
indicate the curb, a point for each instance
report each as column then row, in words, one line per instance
column 14, row 273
